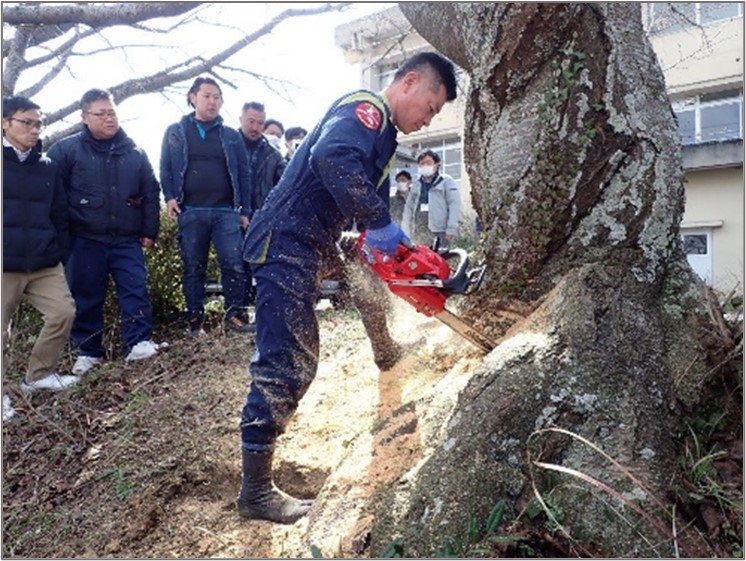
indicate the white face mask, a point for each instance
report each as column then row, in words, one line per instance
column 402, row 186
column 426, row 171
column 273, row 140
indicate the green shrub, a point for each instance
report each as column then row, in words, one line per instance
column 164, row 275
column 165, row 270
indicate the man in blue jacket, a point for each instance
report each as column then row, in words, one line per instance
column 35, row 245
column 207, row 187
column 114, row 213
column 331, row 181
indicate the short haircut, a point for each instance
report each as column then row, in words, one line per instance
column 92, row 95
column 295, row 132
column 255, row 105
column 433, row 155
column 196, row 85
column 404, row 173
column 12, row 105
column 274, row 122
column 441, row 68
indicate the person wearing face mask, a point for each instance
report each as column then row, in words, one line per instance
column 399, row 198
column 273, row 132
column 262, row 138
column 293, row 138
column 433, row 205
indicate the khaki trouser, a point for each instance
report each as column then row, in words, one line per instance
column 48, row 292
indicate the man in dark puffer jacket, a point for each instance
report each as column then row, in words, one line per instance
column 266, row 166
column 114, row 202
column 35, row 244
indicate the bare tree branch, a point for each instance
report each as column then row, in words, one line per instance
column 94, row 15
column 188, row 69
column 58, row 135
column 63, row 49
column 13, row 64
column 48, row 77
column 36, row 25
column 43, row 33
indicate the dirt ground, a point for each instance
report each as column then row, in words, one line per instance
column 142, row 460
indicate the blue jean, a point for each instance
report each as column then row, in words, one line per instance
column 287, row 342
column 197, row 229
column 87, row 271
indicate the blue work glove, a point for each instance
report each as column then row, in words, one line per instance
column 387, row 239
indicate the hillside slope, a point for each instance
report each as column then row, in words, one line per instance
column 142, row 460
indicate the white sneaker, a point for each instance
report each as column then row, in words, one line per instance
column 85, row 363
column 53, row 383
column 8, row 410
column 144, row 349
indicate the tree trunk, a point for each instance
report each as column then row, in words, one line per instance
column 574, row 161
column 573, row 153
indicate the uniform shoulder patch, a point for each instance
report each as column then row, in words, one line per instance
column 369, row 115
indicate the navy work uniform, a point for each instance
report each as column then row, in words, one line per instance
column 332, row 180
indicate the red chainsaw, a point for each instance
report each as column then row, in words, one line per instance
column 424, row 277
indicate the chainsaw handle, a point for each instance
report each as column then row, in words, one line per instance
column 459, row 281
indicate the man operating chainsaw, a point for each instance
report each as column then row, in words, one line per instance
column 331, row 180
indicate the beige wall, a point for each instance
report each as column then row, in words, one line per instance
column 701, row 58
column 713, row 197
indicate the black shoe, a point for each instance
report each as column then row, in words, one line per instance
column 196, row 328
column 239, row 323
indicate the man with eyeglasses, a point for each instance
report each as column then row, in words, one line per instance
column 35, row 245
column 114, row 204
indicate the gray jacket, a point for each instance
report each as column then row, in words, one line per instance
column 444, row 206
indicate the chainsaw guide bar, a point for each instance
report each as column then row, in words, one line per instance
column 423, row 277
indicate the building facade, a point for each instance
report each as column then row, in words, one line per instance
column 700, row 49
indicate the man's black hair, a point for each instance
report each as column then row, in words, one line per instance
column 274, row 122
column 196, row 85
column 441, row 66
column 433, row 155
column 94, row 95
column 255, row 105
column 405, row 173
column 295, row 132
column 12, row 105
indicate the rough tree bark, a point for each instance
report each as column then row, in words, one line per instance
column 573, row 155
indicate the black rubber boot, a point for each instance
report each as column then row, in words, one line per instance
column 259, row 498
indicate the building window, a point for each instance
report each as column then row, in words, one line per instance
column 383, row 75
column 669, row 17
column 449, row 150
column 698, row 249
column 710, row 117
